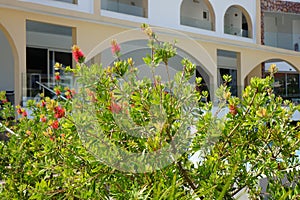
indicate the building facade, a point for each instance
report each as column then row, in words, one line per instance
column 237, row 37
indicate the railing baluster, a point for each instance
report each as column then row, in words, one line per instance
column 8, row 130
column 49, row 89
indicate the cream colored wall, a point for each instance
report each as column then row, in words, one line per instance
column 6, row 64
column 92, row 29
column 13, row 24
column 256, row 72
column 258, row 22
column 251, row 55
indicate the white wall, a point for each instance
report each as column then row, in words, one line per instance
column 6, row 64
column 166, row 13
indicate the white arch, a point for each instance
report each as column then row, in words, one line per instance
column 193, row 48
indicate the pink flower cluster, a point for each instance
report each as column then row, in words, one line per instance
column 77, row 54
column 115, row 47
column 59, row 112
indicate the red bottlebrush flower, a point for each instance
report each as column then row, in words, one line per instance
column 43, row 103
column 19, row 111
column 77, row 54
column 57, row 92
column 55, row 124
column 59, row 112
column 115, row 47
column 57, row 77
column 73, row 92
column 115, row 108
column 24, row 113
column 4, row 101
column 69, row 93
column 28, row 132
column 52, row 138
column 43, row 119
column 232, row 109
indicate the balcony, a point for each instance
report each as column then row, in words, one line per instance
column 85, row 6
column 282, row 30
column 136, row 8
column 237, row 22
column 194, row 22
column 198, row 14
column 68, row 1
column 236, row 31
column 280, row 40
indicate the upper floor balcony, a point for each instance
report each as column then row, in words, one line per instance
column 85, row 6
column 198, row 14
column 281, row 30
column 130, row 7
column 237, row 22
column 234, row 20
column 68, row 1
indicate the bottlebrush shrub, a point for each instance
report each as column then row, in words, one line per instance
column 49, row 158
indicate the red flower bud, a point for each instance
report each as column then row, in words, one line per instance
column 19, row 111
column 115, row 47
column 57, row 92
column 59, row 112
column 55, row 124
column 77, row 54
column 43, row 119
column 232, row 109
column 24, row 114
column 4, row 101
column 115, row 108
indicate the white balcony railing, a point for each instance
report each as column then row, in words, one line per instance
column 68, row 1
column 236, row 31
column 194, row 22
column 75, row 5
column 122, row 8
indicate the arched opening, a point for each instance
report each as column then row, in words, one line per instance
column 137, row 49
column 286, row 80
column 198, row 14
column 7, row 67
column 237, row 22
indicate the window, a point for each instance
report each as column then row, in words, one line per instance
column 46, row 44
column 286, row 80
column 205, row 15
column 228, row 65
column 39, row 67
